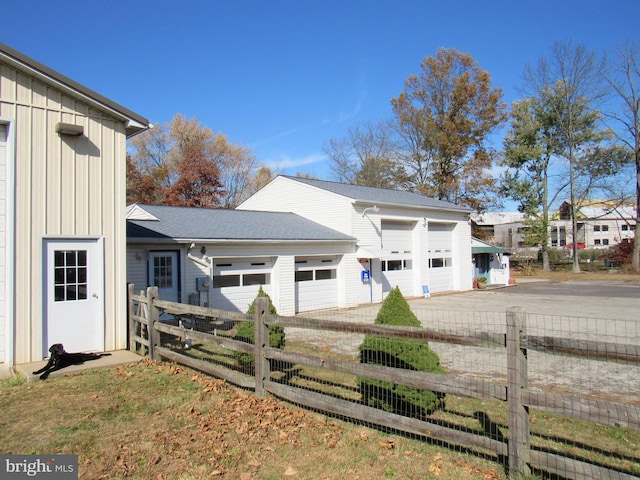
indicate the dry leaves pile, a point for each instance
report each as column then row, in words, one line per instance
column 211, row 435
column 154, row 420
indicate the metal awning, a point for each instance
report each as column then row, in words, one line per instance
column 487, row 249
column 369, row 251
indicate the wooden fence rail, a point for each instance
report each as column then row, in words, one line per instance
column 146, row 327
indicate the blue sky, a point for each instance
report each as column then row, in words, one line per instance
column 284, row 77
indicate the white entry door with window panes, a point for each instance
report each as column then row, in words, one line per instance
column 74, row 308
column 163, row 273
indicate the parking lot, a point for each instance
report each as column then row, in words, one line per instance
column 605, row 311
column 613, row 299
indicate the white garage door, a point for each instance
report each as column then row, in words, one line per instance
column 316, row 282
column 236, row 281
column 440, row 257
column 397, row 254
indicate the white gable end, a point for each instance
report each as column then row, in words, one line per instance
column 286, row 195
column 136, row 212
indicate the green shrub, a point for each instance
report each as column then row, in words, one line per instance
column 245, row 331
column 409, row 354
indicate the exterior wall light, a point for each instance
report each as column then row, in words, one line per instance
column 374, row 208
column 69, row 129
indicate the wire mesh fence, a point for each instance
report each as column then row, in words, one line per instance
column 450, row 380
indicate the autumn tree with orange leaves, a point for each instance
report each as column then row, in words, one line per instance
column 445, row 115
column 198, row 180
column 186, row 164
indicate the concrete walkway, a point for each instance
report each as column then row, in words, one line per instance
column 119, row 357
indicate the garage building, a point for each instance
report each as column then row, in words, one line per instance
column 220, row 258
column 403, row 239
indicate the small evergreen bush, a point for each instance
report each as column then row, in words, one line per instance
column 409, row 354
column 245, row 331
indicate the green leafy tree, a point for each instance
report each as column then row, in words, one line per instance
column 445, row 115
column 530, row 145
column 567, row 84
column 410, row 354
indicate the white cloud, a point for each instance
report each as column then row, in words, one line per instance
column 278, row 136
column 285, row 162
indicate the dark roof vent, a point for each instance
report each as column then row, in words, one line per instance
column 69, row 129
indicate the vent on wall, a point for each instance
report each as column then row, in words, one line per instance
column 69, row 129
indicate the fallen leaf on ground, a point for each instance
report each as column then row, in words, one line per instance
column 290, row 472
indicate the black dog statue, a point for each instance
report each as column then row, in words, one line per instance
column 61, row 359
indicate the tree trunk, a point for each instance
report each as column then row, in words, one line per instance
column 546, row 264
column 574, row 220
column 635, row 262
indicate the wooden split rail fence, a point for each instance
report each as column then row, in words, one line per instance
column 145, row 329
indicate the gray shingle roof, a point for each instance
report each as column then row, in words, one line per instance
column 183, row 223
column 380, row 195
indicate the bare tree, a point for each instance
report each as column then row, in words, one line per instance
column 569, row 83
column 237, row 166
column 622, row 74
column 366, row 156
column 148, row 166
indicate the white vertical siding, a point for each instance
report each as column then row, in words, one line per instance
column 65, row 186
column 3, row 241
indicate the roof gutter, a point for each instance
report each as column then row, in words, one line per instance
column 414, row 207
column 134, row 123
column 166, row 240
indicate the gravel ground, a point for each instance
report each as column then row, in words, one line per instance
column 607, row 311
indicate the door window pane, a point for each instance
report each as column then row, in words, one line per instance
column 304, row 276
column 255, row 279
column 327, row 274
column 70, row 275
column 222, row 281
column 163, row 271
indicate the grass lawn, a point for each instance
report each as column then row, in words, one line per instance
column 161, row 421
column 154, row 420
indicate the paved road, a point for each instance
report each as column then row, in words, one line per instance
column 588, row 299
column 602, row 289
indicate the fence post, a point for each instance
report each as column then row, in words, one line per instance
column 517, row 382
column 261, row 340
column 152, row 312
